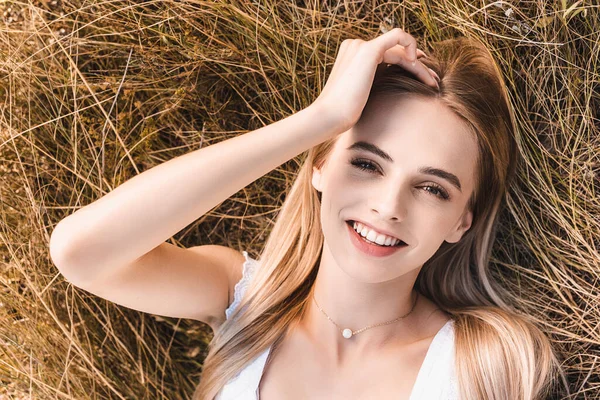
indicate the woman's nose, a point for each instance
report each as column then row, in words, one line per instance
column 391, row 204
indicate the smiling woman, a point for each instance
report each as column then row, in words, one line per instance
column 420, row 188
column 388, row 228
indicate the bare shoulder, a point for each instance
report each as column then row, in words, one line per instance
column 231, row 260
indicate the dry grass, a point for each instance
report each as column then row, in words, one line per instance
column 96, row 92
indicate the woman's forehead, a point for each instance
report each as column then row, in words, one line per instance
column 412, row 131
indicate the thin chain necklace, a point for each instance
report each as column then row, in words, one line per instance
column 348, row 333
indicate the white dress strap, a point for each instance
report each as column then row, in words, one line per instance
column 436, row 378
column 243, row 385
column 240, row 287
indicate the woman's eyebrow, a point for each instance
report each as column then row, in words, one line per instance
column 440, row 173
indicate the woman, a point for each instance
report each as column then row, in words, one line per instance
column 318, row 282
column 418, row 164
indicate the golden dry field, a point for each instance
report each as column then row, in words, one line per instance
column 95, row 92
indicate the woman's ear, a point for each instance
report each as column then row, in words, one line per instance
column 461, row 227
column 316, row 179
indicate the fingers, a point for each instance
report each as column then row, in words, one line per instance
column 400, row 48
column 393, row 47
column 397, row 36
column 397, row 55
column 434, row 74
column 431, row 73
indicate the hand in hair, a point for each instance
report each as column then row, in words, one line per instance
column 347, row 89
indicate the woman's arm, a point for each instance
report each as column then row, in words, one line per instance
column 142, row 213
column 149, row 208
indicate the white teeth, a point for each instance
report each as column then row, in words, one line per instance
column 373, row 236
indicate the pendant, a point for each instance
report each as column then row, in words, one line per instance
column 347, row 333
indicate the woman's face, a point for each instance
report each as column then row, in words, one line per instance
column 414, row 197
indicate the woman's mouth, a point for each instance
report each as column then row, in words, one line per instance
column 371, row 248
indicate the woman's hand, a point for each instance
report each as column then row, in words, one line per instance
column 347, row 89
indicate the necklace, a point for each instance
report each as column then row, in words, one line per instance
column 348, row 333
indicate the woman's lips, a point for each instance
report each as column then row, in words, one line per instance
column 351, row 225
column 369, row 249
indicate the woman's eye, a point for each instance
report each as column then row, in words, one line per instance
column 360, row 164
column 437, row 191
column 366, row 165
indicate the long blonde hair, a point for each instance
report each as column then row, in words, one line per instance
column 500, row 353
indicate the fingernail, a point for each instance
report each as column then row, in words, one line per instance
column 434, row 74
column 422, row 53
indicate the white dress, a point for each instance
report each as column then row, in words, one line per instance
column 436, row 378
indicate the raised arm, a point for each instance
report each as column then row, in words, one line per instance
column 141, row 214
column 149, row 208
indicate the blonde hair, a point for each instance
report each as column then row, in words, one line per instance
column 500, row 353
